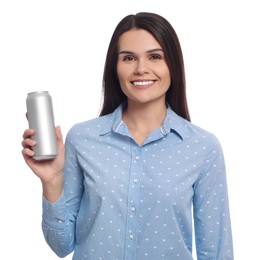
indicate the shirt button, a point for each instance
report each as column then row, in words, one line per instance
column 137, row 157
column 60, row 221
column 133, row 209
column 131, row 237
column 135, row 180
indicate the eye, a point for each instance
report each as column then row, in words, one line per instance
column 128, row 58
column 155, row 57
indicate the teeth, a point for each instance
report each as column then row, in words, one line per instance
column 142, row 83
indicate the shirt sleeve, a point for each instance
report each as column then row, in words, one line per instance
column 213, row 234
column 59, row 218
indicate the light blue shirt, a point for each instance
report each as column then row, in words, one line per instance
column 122, row 201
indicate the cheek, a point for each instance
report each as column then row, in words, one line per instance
column 168, row 82
column 121, row 73
column 166, row 77
column 121, row 79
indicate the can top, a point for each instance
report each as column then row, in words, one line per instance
column 38, row 92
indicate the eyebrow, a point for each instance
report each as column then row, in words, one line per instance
column 149, row 51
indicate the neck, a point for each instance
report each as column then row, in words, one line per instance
column 144, row 117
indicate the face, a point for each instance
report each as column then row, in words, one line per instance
column 141, row 68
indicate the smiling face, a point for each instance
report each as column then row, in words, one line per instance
column 142, row 70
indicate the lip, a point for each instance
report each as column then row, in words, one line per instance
column 142, row 83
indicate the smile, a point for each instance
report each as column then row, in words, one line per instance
column 143, row 83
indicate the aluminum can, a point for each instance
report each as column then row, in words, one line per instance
column 41, row 118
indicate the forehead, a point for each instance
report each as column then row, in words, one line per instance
column 137, row 40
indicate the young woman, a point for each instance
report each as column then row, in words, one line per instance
column 126, row 183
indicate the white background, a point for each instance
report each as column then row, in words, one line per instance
column 60, row 46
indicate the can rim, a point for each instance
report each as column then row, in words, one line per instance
column 37, row 92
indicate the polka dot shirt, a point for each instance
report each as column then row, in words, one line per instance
column 122, row 201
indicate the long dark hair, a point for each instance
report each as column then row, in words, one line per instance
column 166, row 36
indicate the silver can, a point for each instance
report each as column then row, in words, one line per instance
column 41, row 118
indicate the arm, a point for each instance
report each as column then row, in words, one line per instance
column 59, row 217
column 211, row 209
column 55, row 222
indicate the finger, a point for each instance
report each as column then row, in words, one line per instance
column 27, row 152
column 28, row 132
column 27, row 143
column 59, row 135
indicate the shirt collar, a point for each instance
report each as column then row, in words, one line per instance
column 171, row 123
column 174, row 123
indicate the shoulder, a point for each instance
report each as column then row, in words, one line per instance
column 196, row 134
column 193, row 135
column 92, row 127
column 97, row 126
column 189, row 131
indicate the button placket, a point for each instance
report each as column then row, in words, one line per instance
column 133, row 202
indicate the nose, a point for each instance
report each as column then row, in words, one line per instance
column 141, row 67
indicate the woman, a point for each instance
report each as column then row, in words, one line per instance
column 126, row 182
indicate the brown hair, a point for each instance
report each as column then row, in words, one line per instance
column 166, row 36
